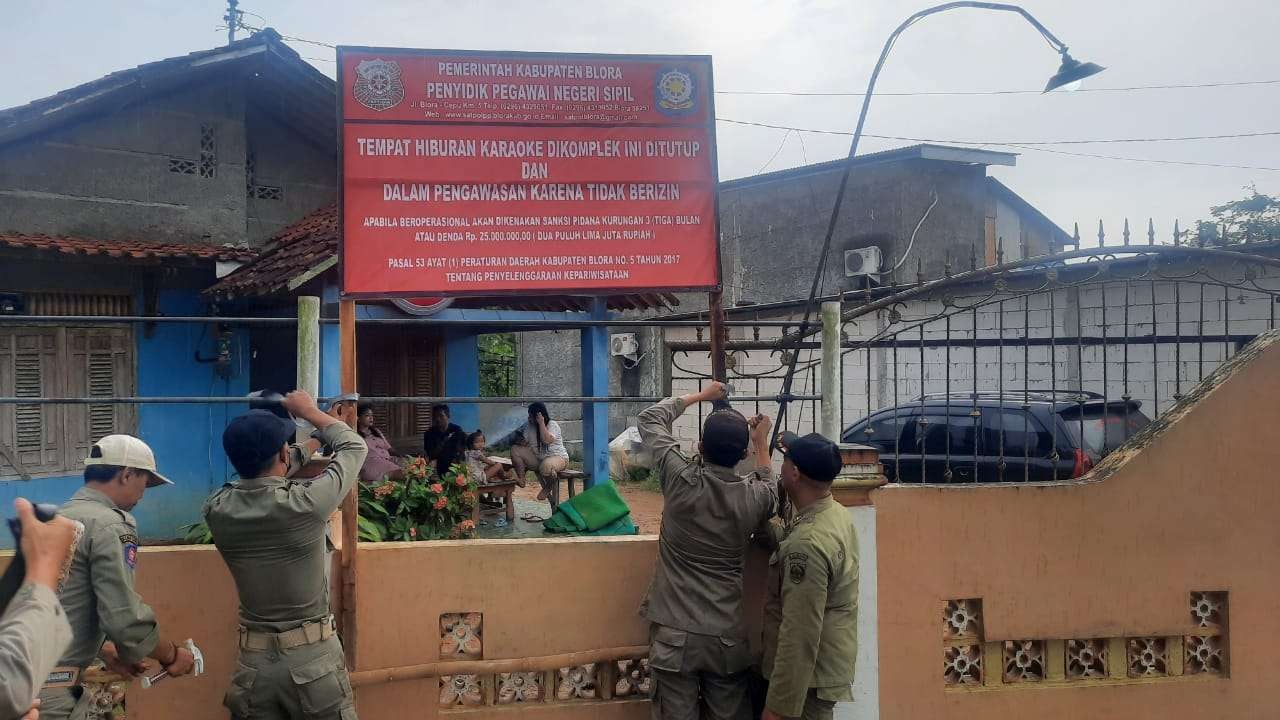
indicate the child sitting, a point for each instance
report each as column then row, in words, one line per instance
column 483, row 469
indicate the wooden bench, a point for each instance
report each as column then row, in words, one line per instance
column 502, row 490
column 571, row 477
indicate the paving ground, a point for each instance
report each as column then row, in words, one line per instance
column 646, row 512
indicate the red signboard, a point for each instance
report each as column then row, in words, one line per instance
column 493, row 173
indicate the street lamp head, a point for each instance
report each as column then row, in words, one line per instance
column 1071, row 71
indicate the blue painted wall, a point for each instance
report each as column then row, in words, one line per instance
column 187, row 439
column 462, row 375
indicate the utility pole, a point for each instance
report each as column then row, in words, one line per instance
column 233, row 20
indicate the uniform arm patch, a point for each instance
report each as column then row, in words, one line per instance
column 130, row 543
column 797, row 566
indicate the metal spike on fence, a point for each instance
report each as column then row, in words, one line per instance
column 1022, row 242
column 919, row 271
column 1151, row 231
column 1177, row 234
column 1075, row 235
column 946, row 264
column 1000, row 250
column 893, row 269
column 1125, row 233
column 1102, row 235
column 973, row 256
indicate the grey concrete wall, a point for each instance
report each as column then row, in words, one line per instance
column 108, row 177
column 771, row 232
column 308, row 175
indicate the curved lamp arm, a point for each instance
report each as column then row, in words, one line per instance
column 1054, row 42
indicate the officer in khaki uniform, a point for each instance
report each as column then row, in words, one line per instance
column 698, row 650
column 811, row 612
column 33, row 630
column 271, row 533
column 98, row 595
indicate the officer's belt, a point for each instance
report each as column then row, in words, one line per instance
column 305, row 634
column 62, row 677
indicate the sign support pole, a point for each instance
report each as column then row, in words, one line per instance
column 715, row 307
column 350, row 509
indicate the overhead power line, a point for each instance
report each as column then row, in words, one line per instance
column 913, row 93
column 1020, row 143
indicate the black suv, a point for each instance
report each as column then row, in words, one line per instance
column 997, row 437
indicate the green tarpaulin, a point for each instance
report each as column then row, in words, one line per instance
column 598, row 510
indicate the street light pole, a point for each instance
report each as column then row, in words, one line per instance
column 1071, row 70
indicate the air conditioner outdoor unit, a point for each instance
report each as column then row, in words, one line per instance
column 863, row 262
column 624, row 345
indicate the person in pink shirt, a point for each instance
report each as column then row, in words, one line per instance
column 382, row 461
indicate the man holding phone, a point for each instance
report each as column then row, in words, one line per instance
column 33, row 630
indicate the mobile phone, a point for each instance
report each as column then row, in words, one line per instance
column 13, row 576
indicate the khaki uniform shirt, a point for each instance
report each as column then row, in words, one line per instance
column 271, row 534
column 811, row 612
column 98, row 596
column 708, row 516
column 33, row 633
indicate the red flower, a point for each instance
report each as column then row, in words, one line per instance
column 467, row 525
column 461, row 481
column 413, row 532
column 441, row 503
column 469, row 496
column 437, row 488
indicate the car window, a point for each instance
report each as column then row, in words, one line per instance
column 1023, row 435
column 944, row 434
column 885, row 432
column 1105, row 428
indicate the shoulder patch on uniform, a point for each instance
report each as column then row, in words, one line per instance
column 130, row 542
column 797, row 565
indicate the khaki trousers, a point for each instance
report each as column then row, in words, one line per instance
column 63, row 704
column 308, row 682
column 697, row 676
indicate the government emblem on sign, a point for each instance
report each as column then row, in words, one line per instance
column 675, row 91
column 378, row 85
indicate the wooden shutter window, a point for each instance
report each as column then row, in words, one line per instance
column 102, row 383
column 28, row 382
column 424, row 385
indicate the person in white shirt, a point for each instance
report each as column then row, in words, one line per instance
column 539, row 446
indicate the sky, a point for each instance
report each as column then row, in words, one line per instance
column 815, row 46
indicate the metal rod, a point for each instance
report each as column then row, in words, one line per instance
column 974, row 413
column 1026, row 389
column 283, row 321
column 1053, row 370
column 489, row 667
column 1177, row 346
column 1000, row 396
column 471, row 400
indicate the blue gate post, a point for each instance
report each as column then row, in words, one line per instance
column 595, row 381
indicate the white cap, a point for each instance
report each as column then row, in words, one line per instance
column 126, row 451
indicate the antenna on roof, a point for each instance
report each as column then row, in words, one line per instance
column 233, row 20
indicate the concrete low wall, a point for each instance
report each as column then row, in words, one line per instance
column 1190, row 506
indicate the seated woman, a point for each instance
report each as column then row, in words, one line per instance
column 539, row 446
column 381, row 462
column 482, row 469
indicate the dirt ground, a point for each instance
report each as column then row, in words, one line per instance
column 646, row 505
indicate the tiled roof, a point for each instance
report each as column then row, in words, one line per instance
column 303, row 249
column 309, row 247
column 129, row 249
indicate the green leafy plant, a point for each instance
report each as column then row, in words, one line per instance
column 196, row 534
column 422, row 507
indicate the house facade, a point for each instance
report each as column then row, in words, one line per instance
column 203, row 186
